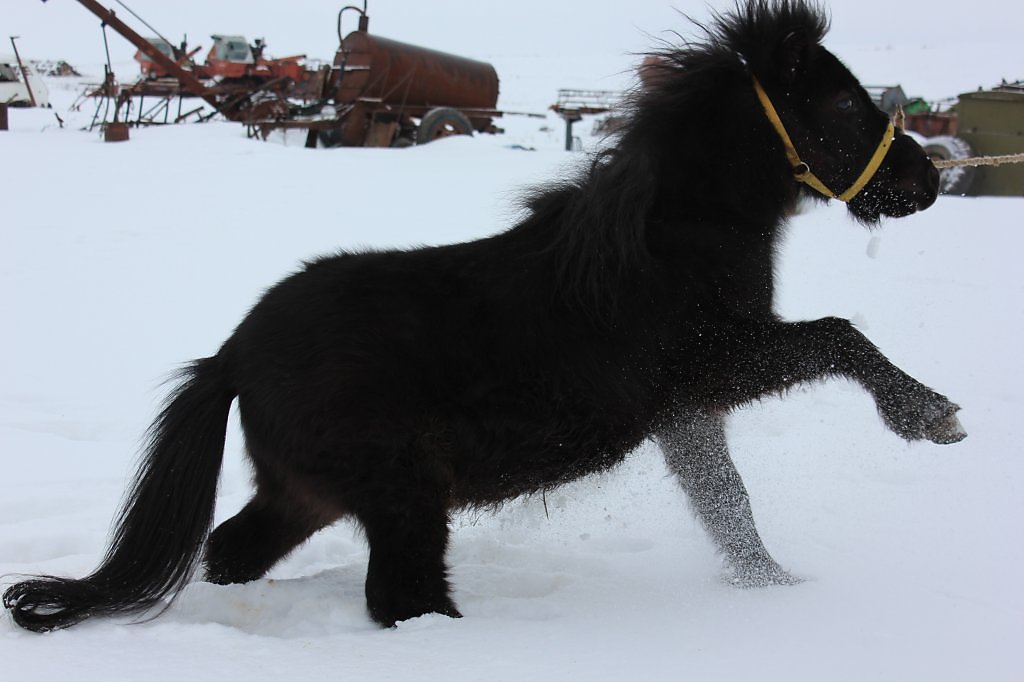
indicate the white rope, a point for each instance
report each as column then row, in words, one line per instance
column 979, row 161
column 900, row 121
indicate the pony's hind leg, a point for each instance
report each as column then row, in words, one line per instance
column 407, row 576
column 403, row 509
column 267, row 529
column 696, row 452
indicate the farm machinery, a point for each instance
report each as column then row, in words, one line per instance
column 389, row 93
column 20, row 83
column 377, row 92
column 987, row 122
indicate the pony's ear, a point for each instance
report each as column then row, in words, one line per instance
column 792, row 56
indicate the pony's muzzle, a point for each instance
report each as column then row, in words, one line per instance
column 918, row 177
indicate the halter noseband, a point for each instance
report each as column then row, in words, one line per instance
column 802, row 172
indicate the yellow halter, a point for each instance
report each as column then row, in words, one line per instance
column 802, row 172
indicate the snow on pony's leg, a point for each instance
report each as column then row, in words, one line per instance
column 696, row 452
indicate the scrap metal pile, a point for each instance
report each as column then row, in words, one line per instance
column 376, row 92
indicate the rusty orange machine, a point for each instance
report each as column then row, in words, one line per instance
column 389, row 93
column 377, row 93
column 398, row 94
column 232, row 57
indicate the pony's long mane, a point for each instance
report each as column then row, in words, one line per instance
column 683, row 132
column 596, row 225
column 753, row 29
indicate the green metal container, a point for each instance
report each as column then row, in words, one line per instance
column 992, row 122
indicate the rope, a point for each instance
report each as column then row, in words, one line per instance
column 900, row 120
column 979, row 161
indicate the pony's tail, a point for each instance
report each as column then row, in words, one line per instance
column 166, row 517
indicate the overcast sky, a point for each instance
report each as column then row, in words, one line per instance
column 582, row 40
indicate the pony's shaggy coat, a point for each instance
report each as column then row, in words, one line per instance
column 631, row 302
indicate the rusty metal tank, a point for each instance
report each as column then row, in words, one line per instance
column 401, row 74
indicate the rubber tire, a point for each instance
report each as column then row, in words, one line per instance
column 951, row 180
column 442, row 122
column 330, row 137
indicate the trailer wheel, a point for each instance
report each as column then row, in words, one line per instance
column 442, row 122
column 330, row 137
column 955, row 180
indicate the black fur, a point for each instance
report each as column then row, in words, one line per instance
column 632, row 302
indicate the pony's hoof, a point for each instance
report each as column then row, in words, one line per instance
column 919, row 413
column 750, row 582
column 392, row 615
column 762, row 574
column 946, row 430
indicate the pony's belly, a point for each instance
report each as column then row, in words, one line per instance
column 508, row 465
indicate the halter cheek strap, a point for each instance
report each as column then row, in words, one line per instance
column 802, row 172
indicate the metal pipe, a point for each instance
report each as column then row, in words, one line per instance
column 364, row 21
column 24, row 72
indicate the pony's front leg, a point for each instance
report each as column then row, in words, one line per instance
column 773, row 356
column 696, row 452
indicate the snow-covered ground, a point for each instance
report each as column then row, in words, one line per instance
column 119, row 261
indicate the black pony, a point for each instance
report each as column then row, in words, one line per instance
column 631, row 302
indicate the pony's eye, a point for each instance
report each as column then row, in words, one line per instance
column 844, row 104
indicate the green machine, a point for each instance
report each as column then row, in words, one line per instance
column 992, row 123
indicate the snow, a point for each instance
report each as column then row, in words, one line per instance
column 120, row 261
